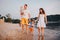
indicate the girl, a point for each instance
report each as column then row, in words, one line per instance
column 42, row 20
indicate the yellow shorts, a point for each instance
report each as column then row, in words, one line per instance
column 24, row 21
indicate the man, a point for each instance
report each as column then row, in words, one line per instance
column 25, row 15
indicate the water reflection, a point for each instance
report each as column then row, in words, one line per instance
column 40, row 37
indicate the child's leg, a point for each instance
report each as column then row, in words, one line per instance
column 31, row 29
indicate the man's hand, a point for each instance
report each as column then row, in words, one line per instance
column 22, row 13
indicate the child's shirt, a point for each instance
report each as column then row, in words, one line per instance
column 30, row 24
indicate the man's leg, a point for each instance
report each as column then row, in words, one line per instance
column 26, row 20
column 27, row 28
column 22, row 27
column 22, row 24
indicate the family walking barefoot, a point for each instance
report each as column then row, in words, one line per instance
column 42, row 22
column 30, row 24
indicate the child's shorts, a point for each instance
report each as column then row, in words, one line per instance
column 30, row 26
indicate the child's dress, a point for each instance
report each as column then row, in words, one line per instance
column 41, row 22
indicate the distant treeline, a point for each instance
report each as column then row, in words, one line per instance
column 53, row 18
column 53, row 21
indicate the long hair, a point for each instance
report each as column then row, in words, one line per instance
column 43, row 12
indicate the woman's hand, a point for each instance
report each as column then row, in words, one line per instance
column 46, row 22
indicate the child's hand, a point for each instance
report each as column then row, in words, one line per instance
column 36, row 21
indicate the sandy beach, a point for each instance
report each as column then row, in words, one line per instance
column 9, row 31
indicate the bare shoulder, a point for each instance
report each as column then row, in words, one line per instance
column 45, row 15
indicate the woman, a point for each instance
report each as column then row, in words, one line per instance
column 42, row 20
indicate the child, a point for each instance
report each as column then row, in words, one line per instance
column 42, row 20
column 31, row 25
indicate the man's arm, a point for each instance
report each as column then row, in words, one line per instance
column 29, row 15
column 21, row 11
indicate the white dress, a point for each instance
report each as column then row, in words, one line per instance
column 41, row 22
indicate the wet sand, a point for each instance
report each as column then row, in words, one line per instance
column 9, row 31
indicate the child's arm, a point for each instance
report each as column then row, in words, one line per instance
column 45, row 18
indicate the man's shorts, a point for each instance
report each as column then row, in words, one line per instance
column 24, row 21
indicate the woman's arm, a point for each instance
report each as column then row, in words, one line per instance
column 45, row 18
column 38, row 17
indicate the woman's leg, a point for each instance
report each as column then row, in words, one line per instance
column 39, row 37
column 38, row 31
column 42, row 30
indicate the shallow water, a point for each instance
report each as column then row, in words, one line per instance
column 9, row 31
